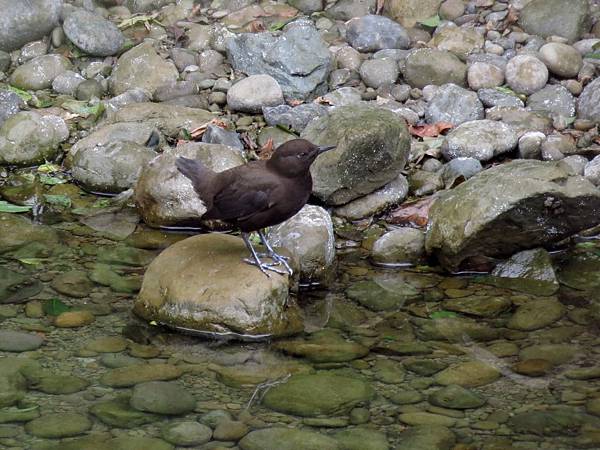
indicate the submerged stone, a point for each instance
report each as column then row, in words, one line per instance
column 536, row 314
column 118, row 413
column 528, row 271
column 553, row 422
column 318, row 394
column 377, row 297
column 468, row 374
column 287, row 439
column 323, row 347
column 57, row 425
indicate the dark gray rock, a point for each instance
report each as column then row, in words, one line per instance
column 92, row 33
column 5, row 61
column 550, row 18
column 371, row 33
column 10, row 104
column 494, row 97
column 460, row 169
column 554, row 100
column 23, row 22
column 479, row 139
column 296, row 117
column 348, row 9
column 299, row 59
column 588, row 106
column 215, row 134
column 455, row 105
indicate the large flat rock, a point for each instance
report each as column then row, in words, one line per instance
column 202, row 284
column 508, row 208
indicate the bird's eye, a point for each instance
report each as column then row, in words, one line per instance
column 300, row 155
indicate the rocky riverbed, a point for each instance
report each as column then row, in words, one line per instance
column 446, row 281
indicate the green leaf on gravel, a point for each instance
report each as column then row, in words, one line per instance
column 50, row 180
column 48, row 168
column 10, row 208
column 594, row 55
column 432, row 21
column 83, row 109
column 442, row 315
column 54, row 307
column 59, row 200
column 25, row 96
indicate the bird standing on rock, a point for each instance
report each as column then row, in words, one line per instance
column 259, row 194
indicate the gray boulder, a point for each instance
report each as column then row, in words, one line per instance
column 551, row 18
column 479, row 139
column 373, row 146
column 189, row 286
column 40, row 72
column 527, row 271
column 164, row 197
column 92, row 33
column 10, row 104
column 455, row 105
column 348, row 9
column 25, row 21
column 493, row 97
column 253, row 93
column 298, row 59
column 28, row 138
column 588, row 106
column 430, row 66
column 141, row 67
column 309, row 237
column 371, row 33
column 511, row 207
column 379, row 72
column 554, row 100
column 215, row 134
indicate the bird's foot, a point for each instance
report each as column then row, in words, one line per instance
column 283, row 260
column 265, row 266
column 269, row 255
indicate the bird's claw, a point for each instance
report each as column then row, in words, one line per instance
column 265, row 266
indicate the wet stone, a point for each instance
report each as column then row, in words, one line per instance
column 552, row 422
column 57, row 425
column 456, row 397
column 481, row 306
column 141, row 373
column 114, row 361
column 17, row 341
column 362, row 439
column 534, row 367
column 74, row 283
column 118, row 413
column 109, row 344
column 536, row 314
column 555, row 353
column 74, row 319
column 583, row 373
column 287, row 439
column 379, row 298
column 468, row 374
column 92, row 33
column 388, row 371
column 141, row 442
column 186, row 433
column 162, row 398
column 425, row 418
column 230, row 430
column 321, row 393
column 425, row 367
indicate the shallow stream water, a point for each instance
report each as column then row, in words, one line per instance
column 532, row 376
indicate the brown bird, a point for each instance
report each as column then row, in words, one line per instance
column 259, row 194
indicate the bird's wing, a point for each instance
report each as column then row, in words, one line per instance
column 240, row 200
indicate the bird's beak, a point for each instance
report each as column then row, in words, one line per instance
column 325, row 148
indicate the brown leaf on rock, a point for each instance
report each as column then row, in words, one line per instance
column 295, row 102
column 415, row 213
column 257, row 26
column 431, row 130
column 197, row 133
column 266, row 150
column 380, row 5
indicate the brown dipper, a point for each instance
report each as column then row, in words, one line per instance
column 259, row 194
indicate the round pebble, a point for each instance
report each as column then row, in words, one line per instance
column 526, row 74
column 16, row 341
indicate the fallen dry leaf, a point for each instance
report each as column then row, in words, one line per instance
column 266, row 150
column 199, row 131
column 322, row 101
column 295, row 102
column 248, row 142
column 257, row 26
column 432, row 130
column 415, row 213
column 380, row 5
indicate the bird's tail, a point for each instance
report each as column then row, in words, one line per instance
column 200, row 175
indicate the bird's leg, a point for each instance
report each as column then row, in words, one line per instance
column 274, row 255
column 256, row 261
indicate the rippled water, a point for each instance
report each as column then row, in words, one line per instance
column 531, row 376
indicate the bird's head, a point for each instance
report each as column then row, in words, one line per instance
column 295, row 157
